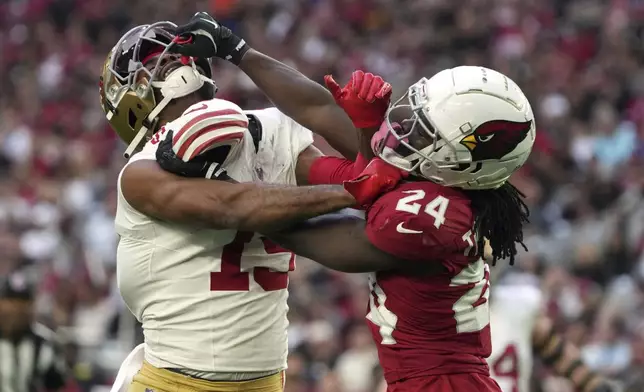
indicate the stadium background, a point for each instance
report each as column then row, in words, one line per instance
column 579, row 61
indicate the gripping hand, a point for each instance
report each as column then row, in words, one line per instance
column 365, row 98
column 204, row 37
column 377, row 178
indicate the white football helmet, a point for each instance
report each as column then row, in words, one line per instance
column 466, row 127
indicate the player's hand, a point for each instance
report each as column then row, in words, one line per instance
column 200, row 166
column 365, row 98
column 204, row 37
column 377, row 178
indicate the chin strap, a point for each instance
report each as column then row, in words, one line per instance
column 179, row 83
column 144, row 130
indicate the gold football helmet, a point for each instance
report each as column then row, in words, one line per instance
column 126, row 84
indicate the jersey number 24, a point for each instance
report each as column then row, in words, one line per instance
column 471, row 311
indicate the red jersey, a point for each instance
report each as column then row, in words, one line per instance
column 428, row 325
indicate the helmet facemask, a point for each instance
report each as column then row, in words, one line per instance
column 408, row 138
column 141, row 76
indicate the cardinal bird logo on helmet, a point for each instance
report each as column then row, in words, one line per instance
column 495, row 139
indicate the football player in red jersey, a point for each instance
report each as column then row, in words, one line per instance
column 433, row 330
column 460, row 135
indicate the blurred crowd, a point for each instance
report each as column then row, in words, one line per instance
column 581, row 63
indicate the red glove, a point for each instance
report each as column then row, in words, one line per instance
column 377, row 178
column 365, row 98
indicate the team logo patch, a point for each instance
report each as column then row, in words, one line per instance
column 495, row 139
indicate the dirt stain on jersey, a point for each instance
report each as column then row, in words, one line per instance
column 259, row 172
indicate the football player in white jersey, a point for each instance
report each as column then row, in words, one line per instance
column 521, row 329
column 210, row 292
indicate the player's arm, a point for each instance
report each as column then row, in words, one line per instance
column 365, row 98
column 223, row 205
column 389, row 239
column 340, row 242
column 364, row 142
column 564, row 358
column 302, row 99
column 315, row 168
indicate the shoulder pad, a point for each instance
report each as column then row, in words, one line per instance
column 207, row 125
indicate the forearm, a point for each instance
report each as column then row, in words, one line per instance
column 571, row 366
column 564, row 359
column 364, row 141
column 252, row 207
column 335, row 241
column 223, row 205
column 339, row 242
column 302, row 99
column 332, row 170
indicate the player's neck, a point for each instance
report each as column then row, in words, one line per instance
column 176, row 108
column 170, row 114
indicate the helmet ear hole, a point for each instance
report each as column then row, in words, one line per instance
column 467, row 166
column 131, row 118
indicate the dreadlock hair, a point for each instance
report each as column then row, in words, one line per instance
column 499, row 216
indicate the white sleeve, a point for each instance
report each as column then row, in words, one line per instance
column 286, row 138
column 297, row 137
column 300, row 137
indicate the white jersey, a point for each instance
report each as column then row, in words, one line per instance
column 212, row 300
column 513, row 312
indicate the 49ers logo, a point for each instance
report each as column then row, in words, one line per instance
column 156, row 138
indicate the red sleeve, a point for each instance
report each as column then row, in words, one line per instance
column 400, row 234
column 414, row 236
column 332, row 170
